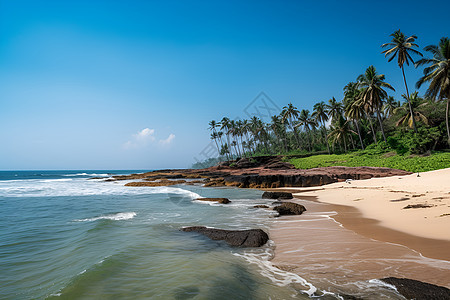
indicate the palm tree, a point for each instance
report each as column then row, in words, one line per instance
column 308, row 123
column 416, row 102
column 278, row 129
column 335, row 108
column 354, row 111
column 390, row 105
column 340, row 131
column 225, row 126
column 320, row 114
column 214, row 136
column 372, row 94
column 290, row 113
column 401, row 47
column 437, row 74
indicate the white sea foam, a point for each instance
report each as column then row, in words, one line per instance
column 80, row 187
column 277, row 276
column 114, row 217
column 86, row 174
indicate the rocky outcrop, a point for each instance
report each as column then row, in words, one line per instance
column 218, row 200
column 235, row 238
column 413, row 289
column 290, row 208
column 277, row 195
column 265, row 172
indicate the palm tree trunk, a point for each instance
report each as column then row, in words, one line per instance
column 446, row 120
column 309, row 139
column 326, row 137
column 230, row 148
column 409, row 102
column 353, row 141
column 359, row 134
column 238, row 151
column 371, row 127
column 217, row 145
column 381, row 124
column 345, row 144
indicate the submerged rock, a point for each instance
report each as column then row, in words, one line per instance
column 260, row 206
column 236, row 238
column 277, row 195
column 414, row 289
column 290, row 208
column 218, row 200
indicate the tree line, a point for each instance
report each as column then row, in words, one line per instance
column 365, row 116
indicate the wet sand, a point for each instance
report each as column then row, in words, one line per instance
column 318, row 248
column 344, row 246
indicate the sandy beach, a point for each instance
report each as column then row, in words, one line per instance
column 361, row 230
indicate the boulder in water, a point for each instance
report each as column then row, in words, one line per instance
column 277, row 195
column 290, row 208
column 236, row 238
column 218, row 200
column 414, row 289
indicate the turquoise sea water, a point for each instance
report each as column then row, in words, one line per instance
column 66, row 237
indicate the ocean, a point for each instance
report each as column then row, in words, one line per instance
column 65, row 236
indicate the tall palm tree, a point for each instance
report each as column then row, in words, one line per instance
column 354, row 111
column 225, row 126
column 437, row 74
column 335, row 108
column 308, row 123
column 212, row 126
column 214, row 138
column 278, row 129
column 390, row 105
column 320, row 114
column 290, row 113
column 401, row 47
column 372, row 94
column 340, row 131
column 416, row 102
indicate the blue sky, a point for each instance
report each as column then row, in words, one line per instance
column 133, row 84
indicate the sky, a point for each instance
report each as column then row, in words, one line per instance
column 133, row 84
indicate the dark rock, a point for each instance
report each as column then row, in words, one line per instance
column 290, row 208
column 417, row 206
column 237, row 238
column 260, row 206
column 277, row 203
column 219, row 200
column 277, row 195
column 413, row 289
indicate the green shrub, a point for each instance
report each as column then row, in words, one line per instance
column 411, row 163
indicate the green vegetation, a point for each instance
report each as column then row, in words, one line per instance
column 390, row 133
column 372, row 158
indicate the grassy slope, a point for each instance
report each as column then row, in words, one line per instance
column 366, row 158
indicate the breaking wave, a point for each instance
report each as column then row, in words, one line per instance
column 115, row 217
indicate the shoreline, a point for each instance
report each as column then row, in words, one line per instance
column 356, row 243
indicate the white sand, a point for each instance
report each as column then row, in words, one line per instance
column 385, row 199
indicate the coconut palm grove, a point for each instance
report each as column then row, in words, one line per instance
column 366, row 121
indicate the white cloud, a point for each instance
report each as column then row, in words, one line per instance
column 168, row 140
column 141, row 138
column 146, row 136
